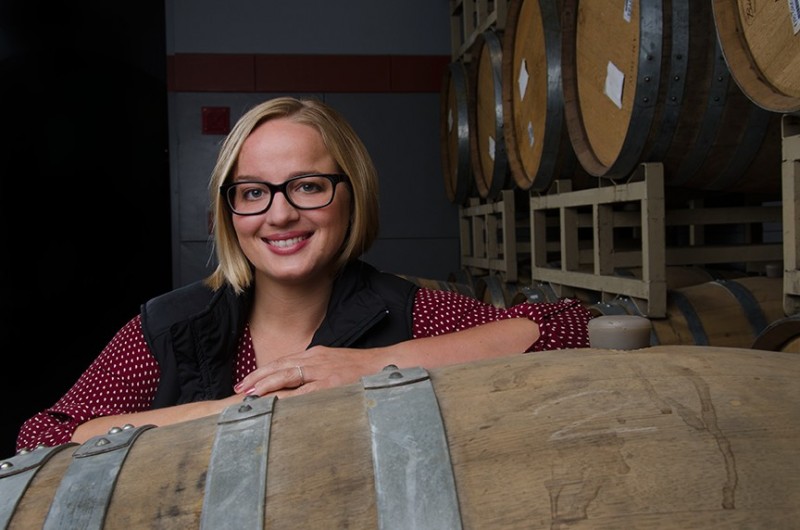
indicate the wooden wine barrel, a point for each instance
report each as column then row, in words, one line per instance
column 441, row 285
column 678, row 276
column 651, row 84
column 464, row 276
column 675, row 276
column 534, row 293
column 781, row 335
column 489, row 158
column 725, row 313
column 662, row 437
column 761, row 44
column 492, row 289
column 538, row 147
column 455, row 133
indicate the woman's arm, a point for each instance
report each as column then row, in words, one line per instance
column 118, row 388
column 162, row 416
column 449, row 328
column 348, row 365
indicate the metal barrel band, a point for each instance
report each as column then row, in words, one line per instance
column 236, row 483
column 16, row 474
column 693, row 321
column 414, row 482
column 749, row 304
column 82, row 497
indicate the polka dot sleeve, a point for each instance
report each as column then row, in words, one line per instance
column 122, row 379
column 562, row 324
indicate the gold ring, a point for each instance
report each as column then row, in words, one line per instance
column 302, row 376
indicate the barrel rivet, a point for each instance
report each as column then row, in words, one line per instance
column 395, row 375
column 102, row 441
column 245, row 408
column 6, row 465
column 114, row 430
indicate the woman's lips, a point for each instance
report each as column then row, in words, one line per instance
column 286, row 243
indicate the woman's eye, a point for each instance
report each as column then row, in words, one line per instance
column 308, row 187
column 253, row 194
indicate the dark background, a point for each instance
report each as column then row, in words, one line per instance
column 84, row 185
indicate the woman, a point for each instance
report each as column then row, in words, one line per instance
column 290, row 308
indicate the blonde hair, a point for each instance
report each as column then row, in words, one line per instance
column 347, row 150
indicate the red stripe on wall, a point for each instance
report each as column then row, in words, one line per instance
column 208, row 72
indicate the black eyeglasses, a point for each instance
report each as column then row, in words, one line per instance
column 304, row 192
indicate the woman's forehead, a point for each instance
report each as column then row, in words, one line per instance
column 285, row 146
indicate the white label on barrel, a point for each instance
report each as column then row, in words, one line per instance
column 522, row 80
column 491, row 148
column 626, row 14
column 531, row 138
column 794, row 8
column 449, row 120
column 615, row 80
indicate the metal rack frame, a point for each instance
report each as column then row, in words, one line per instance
column 790, row 168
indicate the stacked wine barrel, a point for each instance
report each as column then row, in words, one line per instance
column 588, row 91
column 580, row 90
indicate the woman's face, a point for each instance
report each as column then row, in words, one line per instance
column 285, row 244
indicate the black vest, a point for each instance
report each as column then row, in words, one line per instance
column 193, row 331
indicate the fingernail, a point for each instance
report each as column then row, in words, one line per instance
column 250, row 390
column 237, row 387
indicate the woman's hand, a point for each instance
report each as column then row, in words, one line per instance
column 313, row 369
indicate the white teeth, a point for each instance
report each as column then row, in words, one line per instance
column 283, row 243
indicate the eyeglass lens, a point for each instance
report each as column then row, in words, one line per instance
column 306, row 192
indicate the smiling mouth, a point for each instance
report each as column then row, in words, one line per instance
column 285, row 243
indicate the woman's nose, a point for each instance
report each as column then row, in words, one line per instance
column 281, row 211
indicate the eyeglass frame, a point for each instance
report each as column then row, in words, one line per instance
column 334, row 178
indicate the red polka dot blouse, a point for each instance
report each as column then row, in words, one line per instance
column 124, row 377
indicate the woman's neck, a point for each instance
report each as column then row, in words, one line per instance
column 283, row 319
